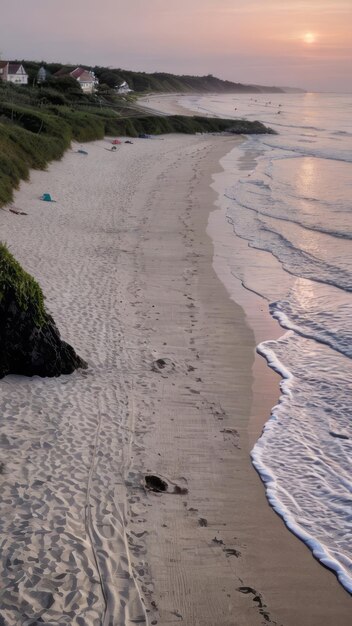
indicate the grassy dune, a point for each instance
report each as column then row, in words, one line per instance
column 31, row 137
column 24, row 290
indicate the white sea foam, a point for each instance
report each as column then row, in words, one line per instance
column 279, row 493
column 292, row 199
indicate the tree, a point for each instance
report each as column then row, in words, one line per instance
column 109, row 78
column 65, row 84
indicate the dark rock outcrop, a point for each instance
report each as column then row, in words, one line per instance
column 246, row 127
column 30, row 343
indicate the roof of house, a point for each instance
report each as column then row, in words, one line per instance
column 12, row 68
column 77, row 73
column 62, row 72
column 80, row 72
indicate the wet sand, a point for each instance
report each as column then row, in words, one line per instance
column 127, row 269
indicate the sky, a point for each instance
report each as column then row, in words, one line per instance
column 299, row 43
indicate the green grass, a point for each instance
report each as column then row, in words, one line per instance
column 33, row 135
column 26, row 292
column 21, row 150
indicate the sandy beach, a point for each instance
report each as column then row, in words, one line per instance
column 130, row 265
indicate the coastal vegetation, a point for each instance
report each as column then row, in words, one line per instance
column 23, row 288
column 30, row 342
column 36, row 127
column 156, row 81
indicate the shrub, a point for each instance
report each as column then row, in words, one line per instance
column 25, row 289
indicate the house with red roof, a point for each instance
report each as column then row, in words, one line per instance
column 87, row 79
column 13, row 73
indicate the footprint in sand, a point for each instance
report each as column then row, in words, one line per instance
column 163, row 366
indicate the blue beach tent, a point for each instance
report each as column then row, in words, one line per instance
column 47, row 197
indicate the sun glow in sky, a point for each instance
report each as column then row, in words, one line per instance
column 304, row 43
column 309, row 38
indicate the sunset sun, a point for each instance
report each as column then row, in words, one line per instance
column 309, row 38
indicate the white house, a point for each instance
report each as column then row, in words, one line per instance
column 13, row 73
column 124, row 88
column 42, row 75
column 85, row 78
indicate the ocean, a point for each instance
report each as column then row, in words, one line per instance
column 291, row 196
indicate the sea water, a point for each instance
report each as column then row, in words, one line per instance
column 292, row 197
